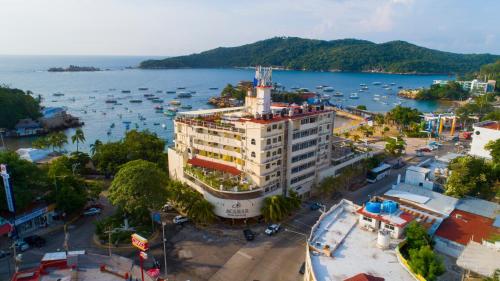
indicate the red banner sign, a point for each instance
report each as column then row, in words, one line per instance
column 140, row 242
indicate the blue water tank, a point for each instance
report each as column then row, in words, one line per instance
column 373, row 207
column 389, row 207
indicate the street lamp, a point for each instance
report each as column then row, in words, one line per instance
column 163, row 224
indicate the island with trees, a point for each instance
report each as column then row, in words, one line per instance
column 335, row 55
column 74, row 68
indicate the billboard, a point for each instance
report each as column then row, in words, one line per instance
column 140, row 242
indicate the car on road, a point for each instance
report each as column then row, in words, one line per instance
column 249, row 234
column 4, row 254
column 92, row 212
column 180, row 219
column 425, row 149
column 272, row 229
column 35, row 241
column 21, row 246
column 167, row 207
column 315, row 206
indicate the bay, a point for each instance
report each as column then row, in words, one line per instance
column 85, row 93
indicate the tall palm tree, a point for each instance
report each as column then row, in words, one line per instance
column 275, row 208
column 78, row 137
column 95, row 146
column 202, row 211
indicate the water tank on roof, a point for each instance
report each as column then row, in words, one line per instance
column 373, row 207
column 389, row 207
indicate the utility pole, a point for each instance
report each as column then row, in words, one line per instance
column 109, row 241
column 163, row 224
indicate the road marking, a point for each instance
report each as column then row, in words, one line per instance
column 245, row 255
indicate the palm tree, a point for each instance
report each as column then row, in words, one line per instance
column 95, row 146
column 58, row 140
column 202, row 212
column 78, row 137
column 293, row 201
column 274, row 209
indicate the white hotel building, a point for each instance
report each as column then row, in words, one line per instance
column 238, row 156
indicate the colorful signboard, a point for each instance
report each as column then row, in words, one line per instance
column 140, row 242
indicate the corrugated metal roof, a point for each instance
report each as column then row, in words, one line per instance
column 479, row 207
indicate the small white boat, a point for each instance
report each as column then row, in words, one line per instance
column 328, row 89
column 338, row 94
column 184, row 95
column 354, row 96
column 174, row 102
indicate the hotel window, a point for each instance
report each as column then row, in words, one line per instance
column 269, row 129
column 268, row 154
column 275, row 140
column 268, row 166
column 279, row 150
column 280, row 126
column 278, row 173
column 279, row 162
column 253, row 141
column 275, row 127
column 268, row 178
column 279, row 138
column 268, row 141
column 252, row 154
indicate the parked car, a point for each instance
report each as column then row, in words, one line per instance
column 35, row 241
column 180, row 220
column 272, row 229
column 21, row 246
column 315, row 206
column 4, row 254
column 92, row 212
column 249, row 234
column 167, row 207
column 425, row 149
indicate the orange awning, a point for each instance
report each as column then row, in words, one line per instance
column 214, row 166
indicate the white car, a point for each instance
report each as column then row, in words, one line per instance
column 92, row 212
column 21, row 246
column 180, row 220
column 272, row 229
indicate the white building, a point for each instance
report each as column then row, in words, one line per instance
column 475, row 85
column 341, row 247
column 484, row 132
column 238, row 156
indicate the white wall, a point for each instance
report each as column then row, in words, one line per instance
column 479, row 141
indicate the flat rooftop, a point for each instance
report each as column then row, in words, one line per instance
column 354, row 250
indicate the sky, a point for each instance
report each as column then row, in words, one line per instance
column 178, row 27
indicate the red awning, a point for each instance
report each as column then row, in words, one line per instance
column 5, row 228
column 214, row 166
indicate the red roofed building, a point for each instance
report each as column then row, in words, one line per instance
column 374, row 218
column 364, row 277
column 462, row 227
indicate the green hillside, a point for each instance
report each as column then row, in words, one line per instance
column 335, row 55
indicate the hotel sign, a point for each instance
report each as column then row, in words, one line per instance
column 237, row 211
column 140, row 242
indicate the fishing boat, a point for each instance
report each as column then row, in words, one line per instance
column 377, row 83
column 158, row 107
column 58, row 94
column 164, row 126
column 213, row 88
column 143, row 89
column 400, row 87
column 376, row 98
column 184, row 95
column 112, row 125
column 187, row 106
column 328, row 89
column 169, row 113
column 294, row 88
column 126, row 91
column 181, row 88
column 354, row 96
column 157, row 100
column 325, row 97
column 192, row 92
column 159, row 91
column 319, row 87
column 135, row 101
column 110, row 101
column 174, row 102
column 338, row 94
column 392, row 84
column 148, row 95
column 362, row 85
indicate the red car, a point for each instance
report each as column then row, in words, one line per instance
column 425, row 149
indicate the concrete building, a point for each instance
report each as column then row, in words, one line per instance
column 82, row 266
column 341, row 247
column 474, row 85
column 484, row 132
column 238, row 156
column 479, row 260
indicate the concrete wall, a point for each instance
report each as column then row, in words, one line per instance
column 448, row 247
column 480, row 140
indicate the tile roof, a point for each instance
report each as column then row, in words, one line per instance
column 462, row 227
column 364, row 277
column 214, row 166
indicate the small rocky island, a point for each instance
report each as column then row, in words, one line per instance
column 73, row 68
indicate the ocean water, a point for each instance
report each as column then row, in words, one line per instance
column 85, row 92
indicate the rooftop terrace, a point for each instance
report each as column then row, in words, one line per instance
column 353, row 250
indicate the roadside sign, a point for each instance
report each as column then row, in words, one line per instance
column 157, row 217
column 140, row 242
column 143, row 255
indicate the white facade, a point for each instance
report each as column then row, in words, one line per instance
column 484, row 132
column 419, row 176
column 236, row 158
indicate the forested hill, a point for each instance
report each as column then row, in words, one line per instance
column 336, row 55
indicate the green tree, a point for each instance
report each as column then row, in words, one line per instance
column 202, row 212
column 275, row 208
column 78, row 137
column 494, row 148
column 471, row 176
column 496, row 274
column 361, row 107
column 404, row 116
column 139, row 185
column 28, row 180
column 16, row 105
column 95, row 146
column 425, row 262
column 57, row 139
column 417, row 236
column 395, row 147
column 41, row 143
column 327, row 186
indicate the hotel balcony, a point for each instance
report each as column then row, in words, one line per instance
column 220, row 180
